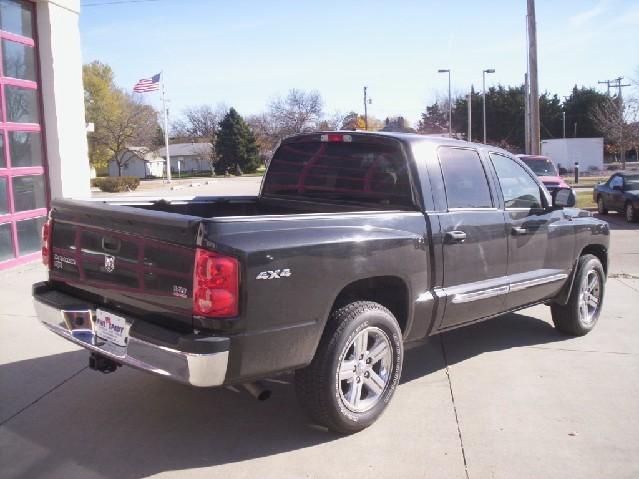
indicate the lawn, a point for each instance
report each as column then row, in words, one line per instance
column 584, row 199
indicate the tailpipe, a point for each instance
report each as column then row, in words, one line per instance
column 257, row 390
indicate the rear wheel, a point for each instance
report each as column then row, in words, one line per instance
column 580, row 314
column 601, row 207
column 631, row 212
column 355, row 370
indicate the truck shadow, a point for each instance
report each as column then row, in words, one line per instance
column 133, row 425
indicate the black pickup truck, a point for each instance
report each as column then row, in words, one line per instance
column 357, row 244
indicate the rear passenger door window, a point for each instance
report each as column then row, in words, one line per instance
column 517, row 186
column 465, row 179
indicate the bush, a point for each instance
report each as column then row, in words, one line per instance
column 116, row 184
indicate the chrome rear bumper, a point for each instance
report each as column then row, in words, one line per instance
column 199, row 368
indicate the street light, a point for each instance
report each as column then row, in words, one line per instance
column 483, row 96
column 450, row 105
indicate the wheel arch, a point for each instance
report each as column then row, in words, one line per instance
column 598, row 250
column 389, row 291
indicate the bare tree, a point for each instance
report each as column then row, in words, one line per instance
column 618, row 120
column 199, row 122
column 297, row 112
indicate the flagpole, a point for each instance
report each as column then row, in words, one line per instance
column 166, row 131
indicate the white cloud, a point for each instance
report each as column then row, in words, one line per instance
column 583, row 17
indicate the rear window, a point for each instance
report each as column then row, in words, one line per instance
column 358, row 172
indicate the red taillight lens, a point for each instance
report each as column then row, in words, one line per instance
column 215, row 285
column 46, row 244
column 336, row 138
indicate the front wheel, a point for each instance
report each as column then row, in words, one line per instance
column 580, row 314
column 355, row 370
column 601, row 207
column 631, row 213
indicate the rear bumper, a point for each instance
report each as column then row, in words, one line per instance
column 196, row 360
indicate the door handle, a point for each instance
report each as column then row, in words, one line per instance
column 456, row 236
column 519, row 231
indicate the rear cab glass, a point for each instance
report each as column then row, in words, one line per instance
column 362, row 170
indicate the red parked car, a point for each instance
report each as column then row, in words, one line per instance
column 546, row 170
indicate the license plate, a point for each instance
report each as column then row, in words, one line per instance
column 111, row 327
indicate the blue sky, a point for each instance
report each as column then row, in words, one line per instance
column 244, row 53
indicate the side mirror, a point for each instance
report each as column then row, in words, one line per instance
column 617, row 188
column 563, row 197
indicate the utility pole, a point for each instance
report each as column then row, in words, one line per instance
column 483, row 96
column 365, row 110
column 469, row 103
column 617, row 83
column 535, row 134
column 526, row 115
column 563, row 115
column 450, row 104
column 606, row 82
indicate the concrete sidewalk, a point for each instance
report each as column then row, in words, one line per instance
column 507, row 398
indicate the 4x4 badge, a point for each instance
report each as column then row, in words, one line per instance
column 109, row 263
column 277, row 274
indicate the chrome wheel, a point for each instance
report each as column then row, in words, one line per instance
column 364, row 369
column 590, row 297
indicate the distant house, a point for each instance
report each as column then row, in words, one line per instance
column 137, row 161
column 189, row 157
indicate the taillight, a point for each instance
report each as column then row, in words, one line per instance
column 46, row 244
column 215, row 285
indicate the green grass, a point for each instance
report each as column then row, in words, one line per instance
column 586, row 180
column 584, row 200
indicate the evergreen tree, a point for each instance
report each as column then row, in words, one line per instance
column 235, row 146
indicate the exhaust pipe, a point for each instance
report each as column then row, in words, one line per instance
column 257, row 390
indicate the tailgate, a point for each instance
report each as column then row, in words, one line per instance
column 126, row 258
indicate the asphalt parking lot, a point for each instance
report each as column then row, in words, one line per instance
column 507, row 398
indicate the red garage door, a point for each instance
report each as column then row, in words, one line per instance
column 23, row 185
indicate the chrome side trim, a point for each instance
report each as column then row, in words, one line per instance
column 426, row 296
column 201, row 370
column 477, row 295
column 537, row 282
column 512, row 287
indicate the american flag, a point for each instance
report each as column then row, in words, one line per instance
column 147, row 84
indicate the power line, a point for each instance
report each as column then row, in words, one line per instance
column 114, row 2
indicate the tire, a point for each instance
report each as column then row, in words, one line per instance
column 630, row 212
column 601, row 207
column 580, row 314
column 354, row 402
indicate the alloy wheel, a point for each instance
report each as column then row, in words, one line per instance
column 364, row 370
column 590, row 297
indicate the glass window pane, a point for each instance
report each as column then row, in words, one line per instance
column 4, row 199
column 29, row 235
column 464, row 178
column 517, row 186
column 18, row 60
column 22, row 105
column 15, row 17
column 28, row 192
column 6, row 242
column 3, row 162
column 25, row 148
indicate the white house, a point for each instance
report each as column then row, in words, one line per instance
column 139, row 162
column 189, row 157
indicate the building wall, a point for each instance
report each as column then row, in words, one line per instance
column 63, row 97
column 566, row 151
